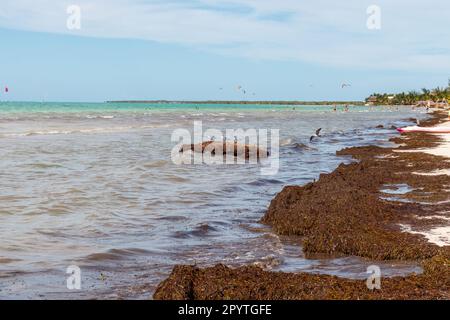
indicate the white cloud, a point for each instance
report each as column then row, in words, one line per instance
column 414, row 33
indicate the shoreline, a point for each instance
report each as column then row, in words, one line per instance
column 373, row 227
column 244, row 102
column 439, row 235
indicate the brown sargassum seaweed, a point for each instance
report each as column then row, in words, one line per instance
column 344, row 213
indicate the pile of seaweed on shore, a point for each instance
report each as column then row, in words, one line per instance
column 344, row 212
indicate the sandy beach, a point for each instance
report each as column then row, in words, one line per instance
column 444, row 148
column 438, row 235
column 357, row 210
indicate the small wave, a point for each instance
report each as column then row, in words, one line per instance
column 301, row 146
column 175, row 178
column 285, row 142
column 101, row 117
column 269, row 262
column 45, row 165
column 294, row 145
column 172, row 218
column 263, row 182
column 82, row 131
column 116, row 254
column 156, row 164
column 202, row 230
column 8, row 260
column 233, row 189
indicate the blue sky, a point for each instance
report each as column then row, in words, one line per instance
column 278, row 50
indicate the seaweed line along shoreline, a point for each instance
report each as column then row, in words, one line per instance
column 356, row 210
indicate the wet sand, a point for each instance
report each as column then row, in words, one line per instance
column 391, row 204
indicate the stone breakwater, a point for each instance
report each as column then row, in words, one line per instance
column 349, row 211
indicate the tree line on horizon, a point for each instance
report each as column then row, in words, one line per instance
column 250, row 102
column 437, row 95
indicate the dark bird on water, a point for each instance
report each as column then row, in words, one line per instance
column 318, row 132
column 317, row 135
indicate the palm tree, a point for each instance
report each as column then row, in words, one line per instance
column 399, row 98
column 426, row 94
column 413, row 97
column 439, row 93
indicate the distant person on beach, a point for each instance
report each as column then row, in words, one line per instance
column 334, row 108
column 346, row 108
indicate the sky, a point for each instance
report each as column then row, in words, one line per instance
column 204, row 49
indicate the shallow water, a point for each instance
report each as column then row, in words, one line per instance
column 93, row 185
